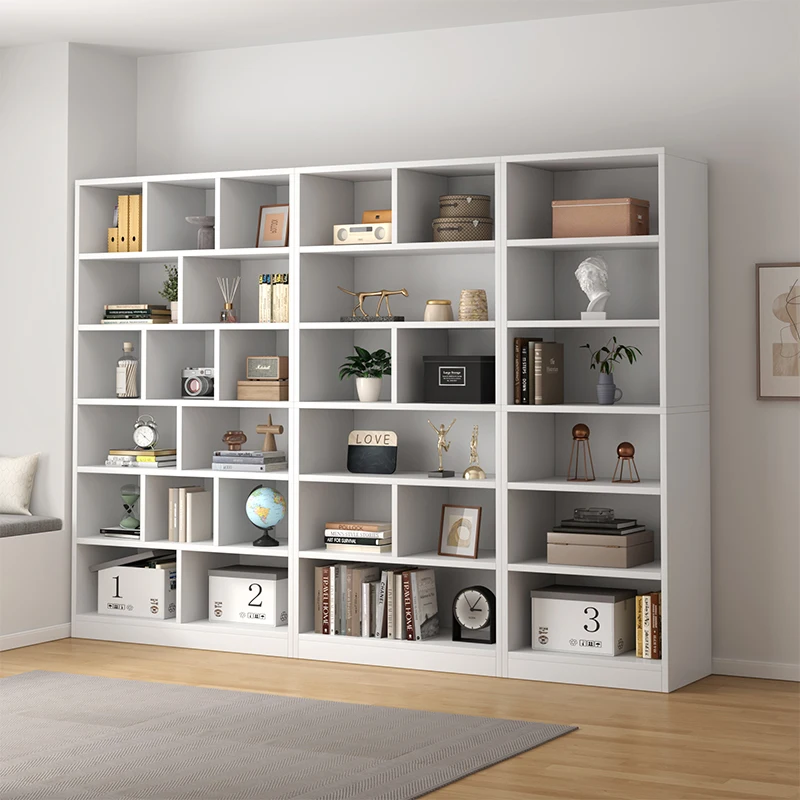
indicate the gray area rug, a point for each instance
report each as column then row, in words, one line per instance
column 76, row 737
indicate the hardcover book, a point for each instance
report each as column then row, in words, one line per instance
column 548, row 373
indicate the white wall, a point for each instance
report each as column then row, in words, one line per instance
column 721, row 81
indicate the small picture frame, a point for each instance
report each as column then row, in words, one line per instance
column 778, row 345
column 459, row 531
column 273, row 226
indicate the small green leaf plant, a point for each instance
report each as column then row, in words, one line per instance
column 170, row 290
column 611, row 354
column 366, row 365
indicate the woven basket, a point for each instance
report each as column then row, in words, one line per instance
column 462, row 229
column 464, row 205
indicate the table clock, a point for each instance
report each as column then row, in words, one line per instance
column 475, row 616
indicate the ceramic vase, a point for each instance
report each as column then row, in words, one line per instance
column 173, row 311
column 205, row 235
column 607, row 390
column 369, row 389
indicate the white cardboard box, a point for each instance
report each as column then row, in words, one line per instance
column 590, row 621
column 137, row 592
column 249, row 594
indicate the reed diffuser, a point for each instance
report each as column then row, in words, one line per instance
column 228, row 289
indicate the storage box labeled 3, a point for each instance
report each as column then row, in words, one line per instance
column 239, row 593
column 599, row 550
column 458, row 379
column 137, row 592
column 611, row 216
column 574, row 619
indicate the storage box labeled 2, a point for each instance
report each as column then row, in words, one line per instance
column 137, row 592
column 458, row 379
column 239, row 593
column 574, row 619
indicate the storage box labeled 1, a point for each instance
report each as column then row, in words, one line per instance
column 249, row 594
column 574, row 619
column 137, row 592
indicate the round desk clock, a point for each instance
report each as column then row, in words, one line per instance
column 474, row 616
column 145, row 433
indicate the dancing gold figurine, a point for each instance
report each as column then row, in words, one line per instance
column 474, row 472
column 443, row 446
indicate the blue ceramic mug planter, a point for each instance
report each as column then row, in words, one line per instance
column 604, row 360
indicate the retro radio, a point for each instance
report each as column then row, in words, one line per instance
column 267, row 368
column 380, row 233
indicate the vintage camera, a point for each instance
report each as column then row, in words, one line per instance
column 197, row 382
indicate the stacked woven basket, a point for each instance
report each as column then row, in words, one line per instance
column 463, row 218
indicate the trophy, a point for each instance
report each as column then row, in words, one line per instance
column 443, row 446
column 474, row 472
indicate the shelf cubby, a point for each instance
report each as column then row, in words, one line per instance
column 97, row 204
column 154, row 510
column 167, row 204
column 99, row 504
column 169, row 352
column 235, row 345
column 98, row 353
column 234, row 529
column 240, row 200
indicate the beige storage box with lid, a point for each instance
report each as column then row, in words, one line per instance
column 600, row 550
column 610, row 216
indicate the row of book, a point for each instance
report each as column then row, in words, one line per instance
column 249, row 461
column 538, row 372
column 648, row 625
column 149, row 459
column 189, row 510
column 355, row 536
column 273, row 298
column 136, row 314
column 363, row 600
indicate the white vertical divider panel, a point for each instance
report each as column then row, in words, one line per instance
column 395, row 519
column 181, row 273
column 74, row 456
column 145, row 200
column 218, row 219
column 395, row 211
column 143, row 364
column 145, row 482
column 179, row 435
column 218, row 362
column 216, row 521
column 296, row 575
column 395, row 356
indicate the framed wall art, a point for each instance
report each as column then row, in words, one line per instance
column 459, row 531
column 778, row 315
column 273, row 226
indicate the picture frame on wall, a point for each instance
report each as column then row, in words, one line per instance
column 778, row 318
column 273, row 226
column 459, row 531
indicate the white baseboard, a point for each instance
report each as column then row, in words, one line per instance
column 756, row 669
column 26, row 638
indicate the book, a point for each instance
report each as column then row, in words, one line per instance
column 265, row 298
column 408, row 608
column 276, row 467
column 524, row 374
column 358, row 575
column 143, row 464
column 425, row 604
column 172, row 514
column 359, row 548
column 182, row 492
column 647, row 630
column 270, row 454
column 135, row 307
column 614, row 523
column 357, row 525
column 340, row 619
column 327, row 595
column 135, row 314
column 161, row 452
column 148, row 459
column 638, row 626
column 318, row 599
column 248, row 460
column 150, row 321
column 518, row 370
column 599, row 531
column 198, row 516
column 380, row 606
column 358, row 535
column 119, row 532
column 390, row 604
column 357, row 540
column 124, row 561
column 655, row 623
column 398, row 605
column 548, row 372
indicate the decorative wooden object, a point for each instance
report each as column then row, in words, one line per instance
column 382, row 295
column 262, row 390
column 580, row 446
column 269, row 430
column 234, row 439
column 625, row 453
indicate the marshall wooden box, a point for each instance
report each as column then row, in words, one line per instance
column 137, row 592
column 258, row 595
column 600, row 550
column 458, row 379
column 262, row 390
column 267, row 368
column 611, row 216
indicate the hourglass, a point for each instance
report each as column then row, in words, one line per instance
column 130, row 497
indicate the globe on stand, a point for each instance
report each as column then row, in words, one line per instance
column 265, row 509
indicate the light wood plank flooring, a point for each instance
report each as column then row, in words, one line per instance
column 735, row 738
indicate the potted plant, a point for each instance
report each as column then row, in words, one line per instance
column 368, row 370
column 170, row 290
column 605, row 359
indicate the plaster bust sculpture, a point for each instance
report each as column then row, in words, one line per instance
column 592, row 275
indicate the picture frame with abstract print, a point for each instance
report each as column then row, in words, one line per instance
column 273, row 226
column 778, row 315
column 459, row 531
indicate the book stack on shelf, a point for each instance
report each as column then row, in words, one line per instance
column 149, row 459
column 355, row 536
column 189, row 514
column 538, row 372
column 273, row 298
column 249, row 461
column 118, row 532
column 363, row 600
column 648, row 625
column 136, row 314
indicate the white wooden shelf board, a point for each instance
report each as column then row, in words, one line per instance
column 243, row 628
column 247, row 549
column 108, row 541
column 625, row 661
column 189, row 326
column 586, row 408
column 599, row 486
column 650, row 571
column 355, row 405
column 410, row 325
column 399, row 478
column 113, row 619
column 650, row 242
column 402, row 249
column 234, row 475
column 485, row 560
column 101, row 469
column 443, row 641
column 583, row 323
column 235, row 253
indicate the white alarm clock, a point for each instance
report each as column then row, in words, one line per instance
column 145, row 433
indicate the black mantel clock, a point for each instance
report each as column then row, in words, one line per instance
column 475, row 616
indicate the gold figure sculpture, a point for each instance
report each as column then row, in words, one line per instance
column 442, row 446
column 382, row 295
column 474, row 472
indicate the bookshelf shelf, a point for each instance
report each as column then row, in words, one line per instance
column 530, row 286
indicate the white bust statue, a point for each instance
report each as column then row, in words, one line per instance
column 592, row 275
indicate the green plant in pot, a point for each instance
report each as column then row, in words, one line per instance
column 604, row 360
column 368, row 369
column 170, row 290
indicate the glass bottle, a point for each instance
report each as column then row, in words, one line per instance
column 228, row 314
column 128, row 372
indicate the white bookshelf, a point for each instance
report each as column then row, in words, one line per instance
column 659, row 294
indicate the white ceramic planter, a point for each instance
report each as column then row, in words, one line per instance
column 369, row 389
column 173, row 310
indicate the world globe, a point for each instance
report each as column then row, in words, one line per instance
column 265, row 508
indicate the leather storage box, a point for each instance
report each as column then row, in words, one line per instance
column 262, row 390
column 464, row 205
column 611, row 216
column 458, row 379
column 600, row 550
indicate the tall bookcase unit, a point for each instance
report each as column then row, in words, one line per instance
column 659, row 286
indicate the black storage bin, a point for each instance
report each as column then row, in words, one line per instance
column 459, row 379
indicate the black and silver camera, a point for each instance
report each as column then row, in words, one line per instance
column 197, row 382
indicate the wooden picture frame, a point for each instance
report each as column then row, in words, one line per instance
column 459, row 531
column 273, row 225
column 778, row 331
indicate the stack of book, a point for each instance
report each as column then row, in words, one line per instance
column 355, row 536
column 118, row 532
column 362, row 600
column 249, row 461
column 648, row 625
column 189, row 514
column 538, row 372
column 273, row 298
column 150, row 459
column 136, row 314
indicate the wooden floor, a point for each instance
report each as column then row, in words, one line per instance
column 723, row 737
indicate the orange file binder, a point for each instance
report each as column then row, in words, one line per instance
column 113, row 240
column 134, row 223
column 122, row 219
